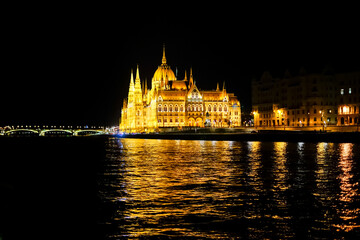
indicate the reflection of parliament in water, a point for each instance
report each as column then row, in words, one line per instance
column 176, row 103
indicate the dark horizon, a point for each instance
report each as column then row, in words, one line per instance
column 76, row 70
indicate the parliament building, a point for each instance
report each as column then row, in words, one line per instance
column 176, row 104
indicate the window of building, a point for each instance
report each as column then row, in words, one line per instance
column 314, row 119
column 170, row 108
column 349, row 90
column 225, row 109
column 215, row 108
column 176, row 109
column 314, row 110
column 165, row 108
column 342, row 91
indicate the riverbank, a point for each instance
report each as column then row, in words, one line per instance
column 273, row 136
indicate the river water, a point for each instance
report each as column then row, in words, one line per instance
column 113, row 188
column 183, row 189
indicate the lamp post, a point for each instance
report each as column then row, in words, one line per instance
column 255, row 115
column 322, row 119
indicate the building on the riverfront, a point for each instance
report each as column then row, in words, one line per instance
column 174, row 103
column 306, row 100
column 348, row 93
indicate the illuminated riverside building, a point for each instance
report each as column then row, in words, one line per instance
column 306, row 100
column 348, row 92
column 173, row 103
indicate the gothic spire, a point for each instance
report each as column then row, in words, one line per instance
column 191, row 78
column 137, row 80
column 145, row 87
column 131, row 87
column 164, row 58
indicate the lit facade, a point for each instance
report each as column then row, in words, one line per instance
column 348, row 92
column 173, row 103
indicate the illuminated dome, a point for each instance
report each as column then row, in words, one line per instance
column 163, row 74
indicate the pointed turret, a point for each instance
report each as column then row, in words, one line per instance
column 224, row 94
column 137, row 79
column 185, row 78
column 217, row 87
column 145, row 87
column 131, row 88
column 164, row 58
column 138, row 91
column 191, row 78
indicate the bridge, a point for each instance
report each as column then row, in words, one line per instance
column 56, row 131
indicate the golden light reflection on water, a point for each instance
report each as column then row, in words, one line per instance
column 222, row 189
column 347, row 211
column 172, row 177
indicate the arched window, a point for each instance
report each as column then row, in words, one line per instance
column 214, row 108
column 220, row 108
column 225, row 109
column 195, row 108
column 209, row 108
column 159, row 108
column 170, row 108
column 176, row 108
column 188, row 108
column 181, row 108
column 165, row 108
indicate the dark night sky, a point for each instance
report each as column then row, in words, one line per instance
column 74, row 66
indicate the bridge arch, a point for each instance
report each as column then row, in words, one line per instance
column 88, row 132
column 14, row 131
column 44, row 132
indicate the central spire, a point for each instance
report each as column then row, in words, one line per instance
column 164, row 58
